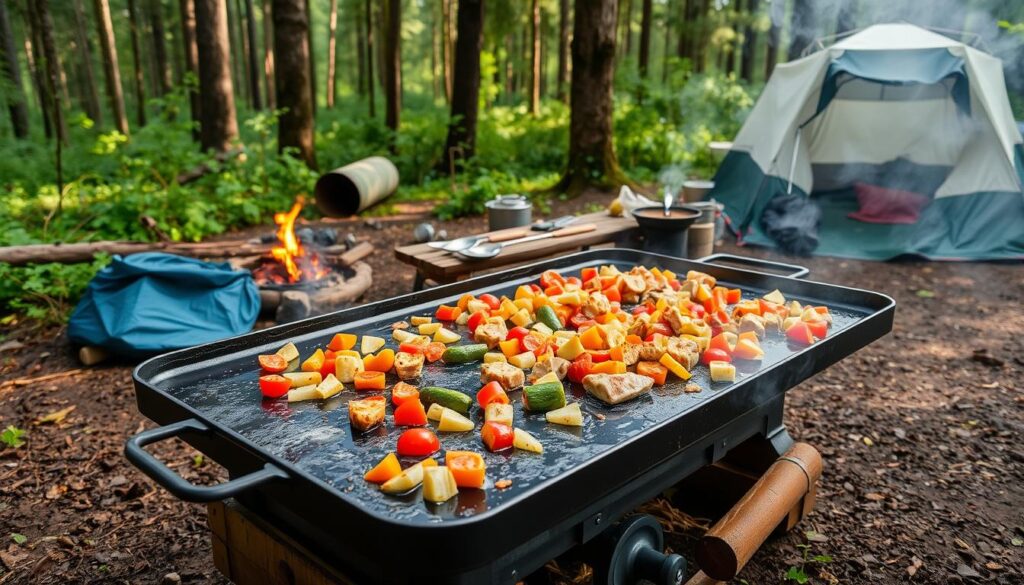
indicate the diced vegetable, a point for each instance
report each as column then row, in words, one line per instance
column 715, row 355
column 370, row 344
column 452, row 399
column 274, row 386
column 609, row 367
column 524, row 441
column 722, row 372
column 496, row 436
column 329, row 387
column 418, row 320
column 569, row 415
column 673, row 366
column 342, row 341
column 548, row 377
column 447, row 313
column 434, row 412
column 403, row 392
column 592, row 339
column 580, row 368
column 544, row 397
column 417, row 443
column 303, row 393
column 381, row 362
column 429, row 328
column 463, row 354
column 453, row 422
column 410, row 414
column 748, row 350
column 387, row 468
column 547, row 316
column 509, row 347
column 446, row 336
column 467, row 467
column 498, row 412
column 799, row 333
column 523, row 361
column 434, row 351
column 405, row 481
column 297, row 379
column 654, row 371
column 402, row 336
column 289, row 352
column 346, row 367
column 314, row 362
column 439, row 484
column 272, row 363
column 493, row 357
column 521, row 318
column 775, row 297
column 369, row 381
column 491, row 392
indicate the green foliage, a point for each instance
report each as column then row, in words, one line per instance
column 798, row 573
column 12, row 437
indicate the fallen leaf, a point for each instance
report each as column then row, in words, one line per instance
column 992, row 566
column 962, row 544
column 1017, row 541
column 874, row 497
column 915, row 564
column 925, row 293
column 11, row 345
column 966, row 571
column 55, row 491
column 56, row 417
column 18, row 538
column 813, row 536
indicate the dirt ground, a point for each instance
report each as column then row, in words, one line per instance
column 920, row 432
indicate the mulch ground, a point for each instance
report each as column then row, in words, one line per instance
column 921, row 431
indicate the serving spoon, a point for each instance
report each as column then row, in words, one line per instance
column 484, row 250
column 459, row 244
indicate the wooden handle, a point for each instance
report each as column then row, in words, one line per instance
column 576, row 229
column 506, row 235
column 730, row 543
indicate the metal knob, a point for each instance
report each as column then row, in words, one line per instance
column 631, row 551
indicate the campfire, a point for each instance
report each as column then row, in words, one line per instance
column 290, row 264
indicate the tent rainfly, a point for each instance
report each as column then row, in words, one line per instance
column 904, row 139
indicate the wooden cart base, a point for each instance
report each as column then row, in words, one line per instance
column 247, row 550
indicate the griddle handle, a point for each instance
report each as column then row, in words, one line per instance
column 794, row 270
column 178, row 486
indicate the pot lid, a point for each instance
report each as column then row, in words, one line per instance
column 511, row 201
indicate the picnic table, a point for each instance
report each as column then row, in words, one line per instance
column 444, row 267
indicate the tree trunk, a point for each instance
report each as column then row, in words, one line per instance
column 669, row 7
column 311, row 58
column 163, row 69
column 42, row 23
column 37, row 74
column 361, row 52
column 846, row 19
column 15, row 97
column 802, row 31
column 188, row 36
column 461, row 141
column 268, row 54
column 626, row 18
column 111, row 69
column 446, row 48
column 685, row 44
column 509, row 71
column 776, row 11
column 332, row 30
column 371, row 90
column 219, row 127
column 294, row 89
column 140, row 91
column 592, row 159
column 91, row 102
column 254, row 52
column 237, row 43
column 700, row 37
column 435, row 54
column 534, row 59
column 392, row 65
column 564, row 39
column 645, row 37
column 749, row 41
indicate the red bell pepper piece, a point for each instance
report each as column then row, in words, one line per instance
column 720, row 342
column 733, row 296
column 661, row 328
column 599, row 355
column 675, row 284
column 818, row 328
column 800, row 334
column 613, row 294
column 554, row 290
column 496, row 436
column 447, row 313
column 475, row 320
column 411, row 347
column 491, row 392
column 491, row 300
column 410, row 414
column 580, row 368
column 551, row 278
column 588, row 274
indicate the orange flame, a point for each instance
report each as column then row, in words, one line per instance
column 291, row 254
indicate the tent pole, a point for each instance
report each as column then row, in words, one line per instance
column 792, row 162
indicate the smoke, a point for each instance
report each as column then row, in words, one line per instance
column 969, row 22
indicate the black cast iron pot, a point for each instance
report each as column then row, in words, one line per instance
column 666, row 234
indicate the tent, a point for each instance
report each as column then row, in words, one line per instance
column 887, row 113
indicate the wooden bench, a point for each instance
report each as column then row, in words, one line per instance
column 444, row 267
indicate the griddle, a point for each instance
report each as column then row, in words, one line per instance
column 300, row 466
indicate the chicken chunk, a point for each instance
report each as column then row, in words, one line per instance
column 366, row 413
column 651, row 351
column 507, row 375
column 553, row 364
column 616, row 388
column 684, row 351
column 633, row 286
column 677, row 320
column 631, row 353
column 491, row 332
column 408, row 365
column 751, row 322
column 598, row 304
